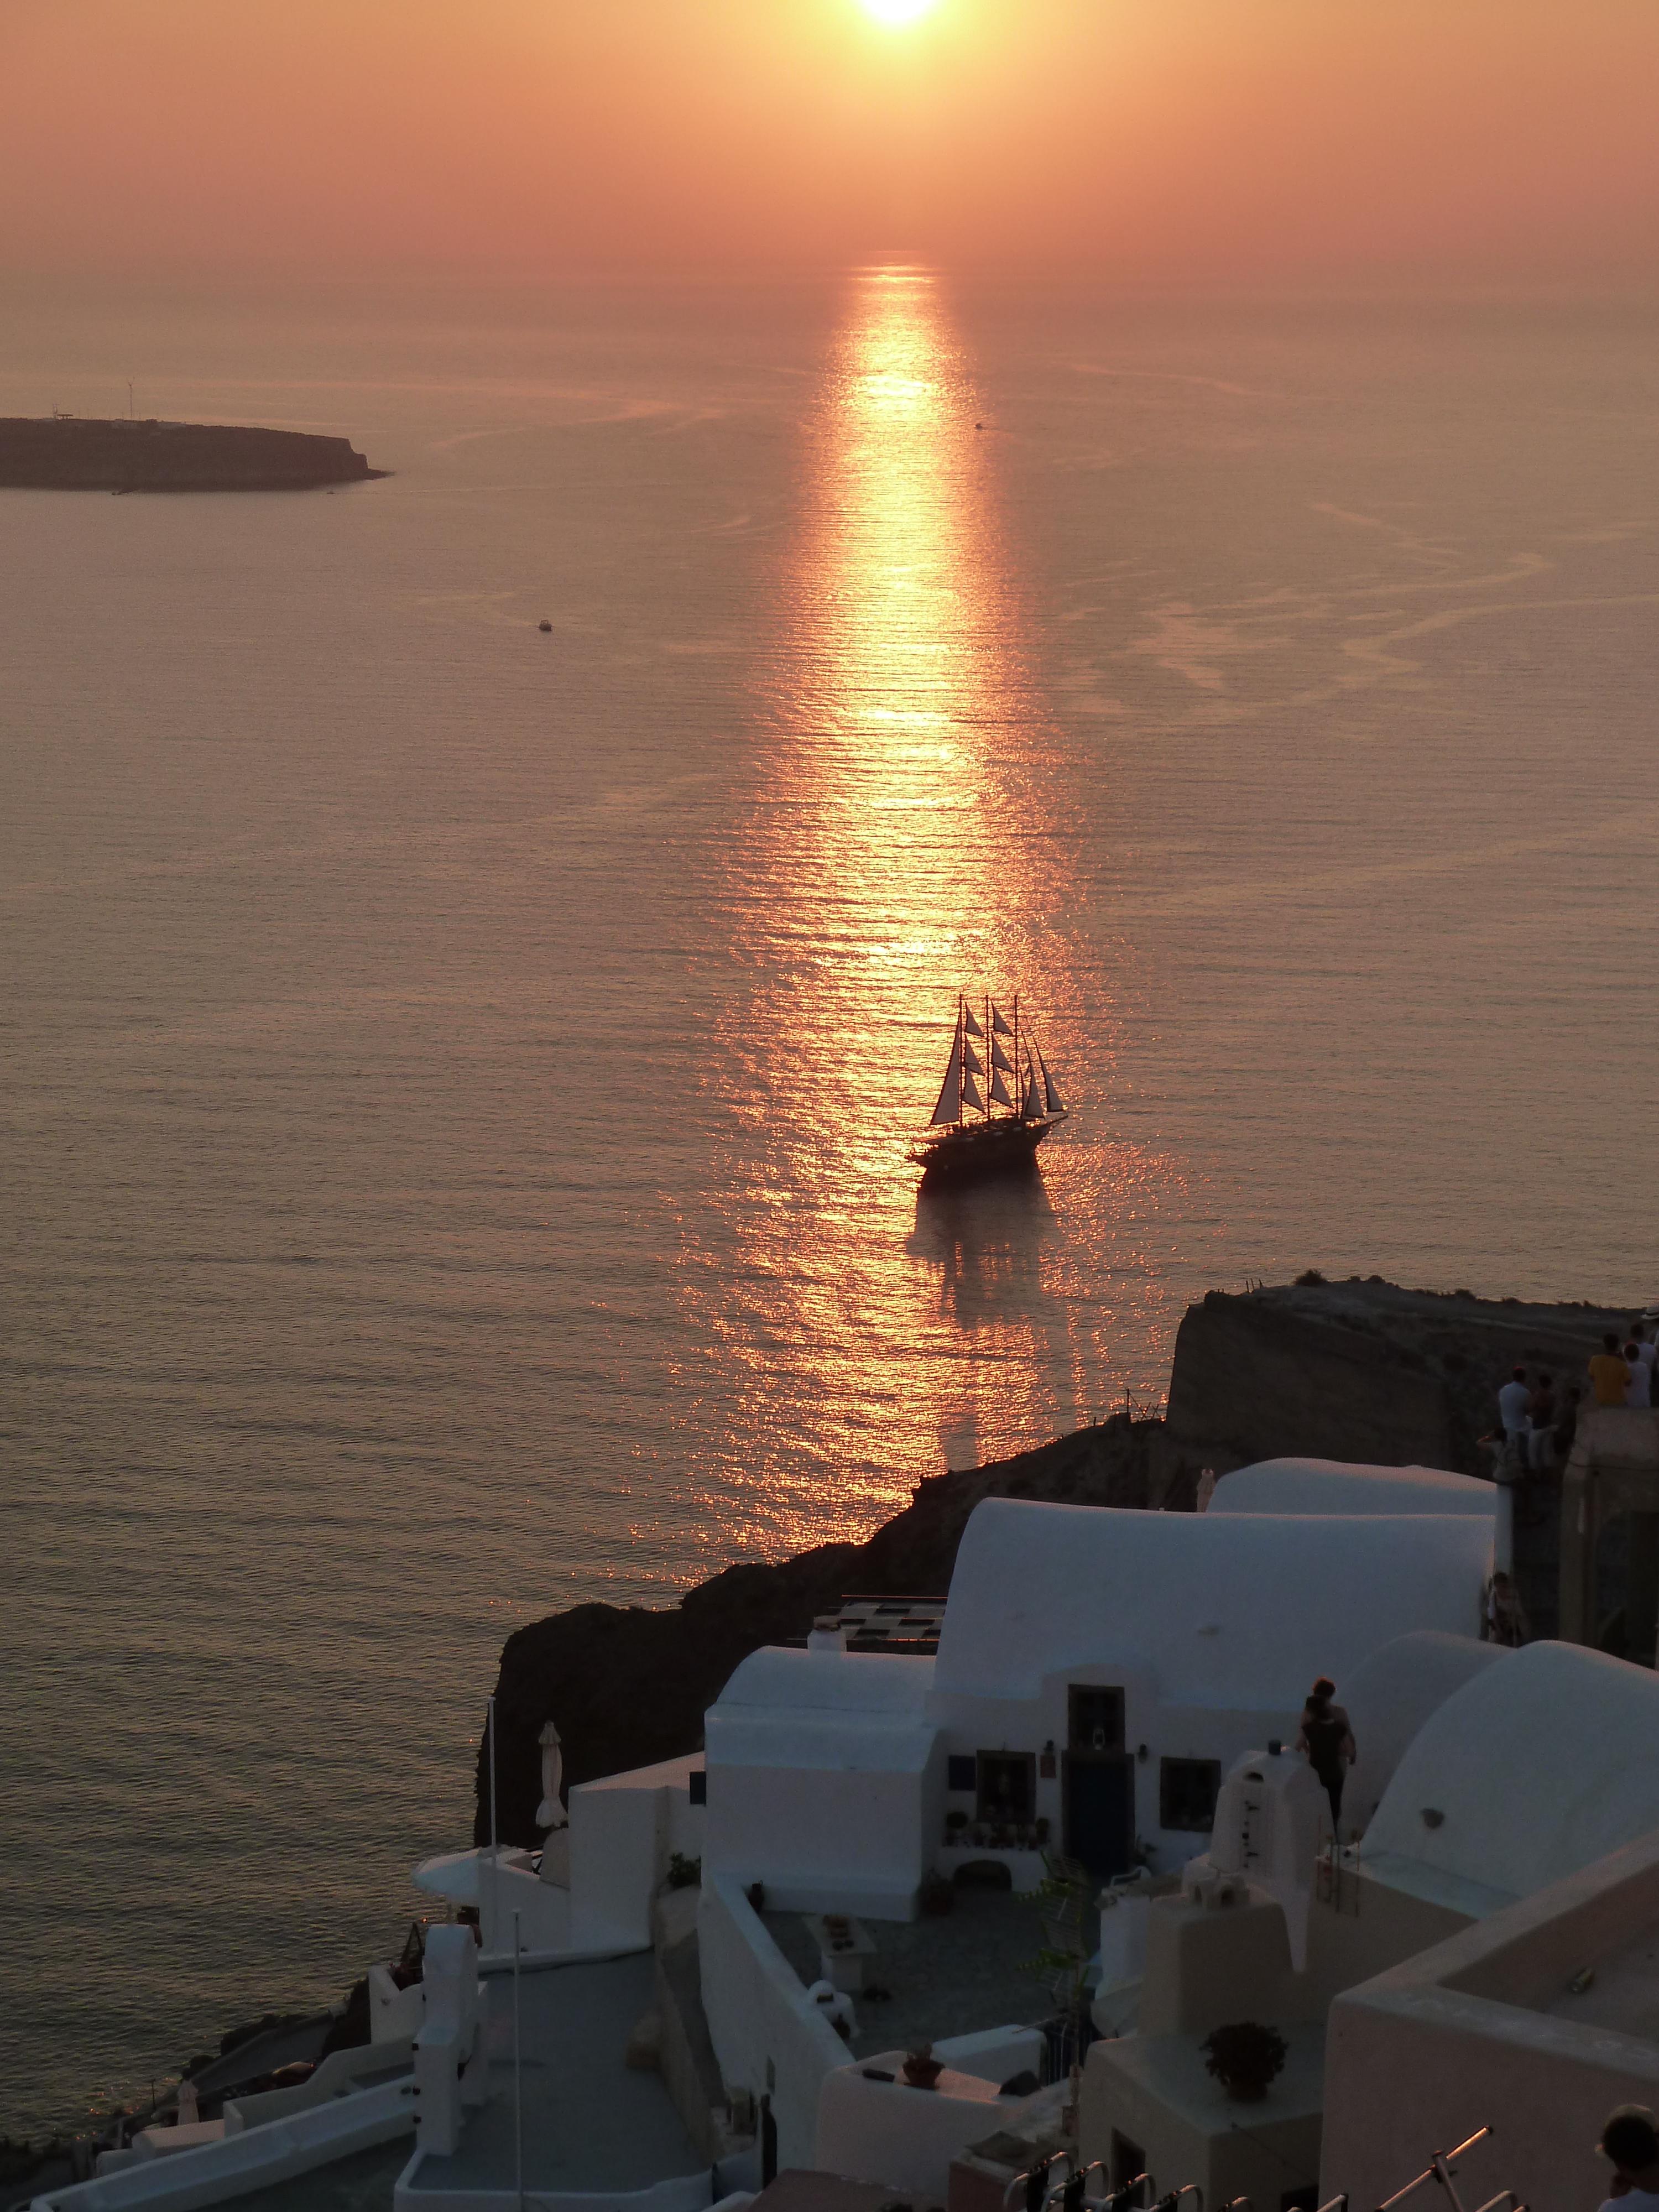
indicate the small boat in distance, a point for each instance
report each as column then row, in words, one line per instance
column 974, row 1133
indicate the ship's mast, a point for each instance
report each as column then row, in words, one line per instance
column 990, row 1055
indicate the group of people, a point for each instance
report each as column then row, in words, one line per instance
column 1538, row 1423
column 1623, row 1375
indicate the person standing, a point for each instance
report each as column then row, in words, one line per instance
column 1512, row 1400
column 1638, row 1391
column 1629, row 2141
column 1541, row 1412
column 1506, row 1621
column 1609, row 1376
column 1327, row 1742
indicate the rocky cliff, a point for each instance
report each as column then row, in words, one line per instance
column 1355, row 1370
column 65, row 453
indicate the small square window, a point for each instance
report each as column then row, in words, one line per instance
column 1186, row 1791
column 1007, row 1785
column 961, row 1773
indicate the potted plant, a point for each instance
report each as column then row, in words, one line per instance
column 1246, row 2058
column 922, row 2069
column 956, row 1826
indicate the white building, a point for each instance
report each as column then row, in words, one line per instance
column 1098, row 1671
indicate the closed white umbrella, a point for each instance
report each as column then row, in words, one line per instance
column 550, row 1814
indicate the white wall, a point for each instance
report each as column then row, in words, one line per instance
column 825, row 1780
column 824, row 1841
column 768, row 2034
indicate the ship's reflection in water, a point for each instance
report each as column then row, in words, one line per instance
column 898, row 843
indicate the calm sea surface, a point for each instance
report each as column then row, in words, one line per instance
column 456, row 1079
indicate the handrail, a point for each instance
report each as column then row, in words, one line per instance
column 1441, row 2169
column 1186, row 2189
column 1117, row 2200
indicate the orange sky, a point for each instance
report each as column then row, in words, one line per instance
column 1501, row 141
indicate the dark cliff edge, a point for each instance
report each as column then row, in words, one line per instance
column 65, row 453
column 1355, row 1370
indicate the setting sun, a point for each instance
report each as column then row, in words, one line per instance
column 897, row 11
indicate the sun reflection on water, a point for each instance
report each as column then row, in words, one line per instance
column 896, row 847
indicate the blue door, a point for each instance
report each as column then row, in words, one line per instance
column 1100, row 1812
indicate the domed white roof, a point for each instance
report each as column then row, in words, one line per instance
column 1390, row 1698
column 1331, row 1485
column 1533, row 1770
column 1238, row 1612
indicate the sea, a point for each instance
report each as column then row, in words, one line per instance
column 480, row 944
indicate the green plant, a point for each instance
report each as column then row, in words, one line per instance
column 1246, row 2058
column 1067, row 1893
column 683, row 1873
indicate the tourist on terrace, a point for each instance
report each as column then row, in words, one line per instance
column 1512, row 1402
column 1541, row 1411
column 1506, row 1621
column 1609, row 1376
column 1646, row 1349
column 1638, row 1391
column 1327, row 1742
column 1631, row 2141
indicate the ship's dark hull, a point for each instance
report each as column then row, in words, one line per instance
column 981, row 1148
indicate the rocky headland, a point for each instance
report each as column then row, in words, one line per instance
column 67, row 453
column 1361, row 1370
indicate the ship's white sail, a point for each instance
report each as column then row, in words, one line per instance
column 999, row 1058
column 970, row 1092
column 1051, row 1090
column 970, row 1023
column 949, row 1108
column 971, row 1060
column 998, row 1027
column 998, row 1089
column 1032, row 1109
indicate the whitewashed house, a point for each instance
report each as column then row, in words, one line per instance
column 1098, row 1672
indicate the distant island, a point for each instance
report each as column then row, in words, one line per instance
column 66, row 452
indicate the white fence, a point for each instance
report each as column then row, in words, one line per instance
column 769, row 2035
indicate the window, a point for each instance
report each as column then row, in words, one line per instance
column 1095, row 1719
column 1186, row 1791
column 1007, row 1785
column 697, row 1780
column 961, row 1773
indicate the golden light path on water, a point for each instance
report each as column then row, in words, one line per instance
column 905, row 838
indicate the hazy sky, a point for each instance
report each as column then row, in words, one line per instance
column 1505, row 142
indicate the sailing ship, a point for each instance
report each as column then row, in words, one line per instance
column 976, row 1132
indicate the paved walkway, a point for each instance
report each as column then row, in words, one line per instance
column 967, row 1970
column 590, row 2122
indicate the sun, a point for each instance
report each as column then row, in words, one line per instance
column 896, row 12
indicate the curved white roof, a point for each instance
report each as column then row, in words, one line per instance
column 1334, row 1485
column 1537, row 1768
column 1390, row 1698
column 849, row 1711
column 888, row 1682
column 1234, row 1611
